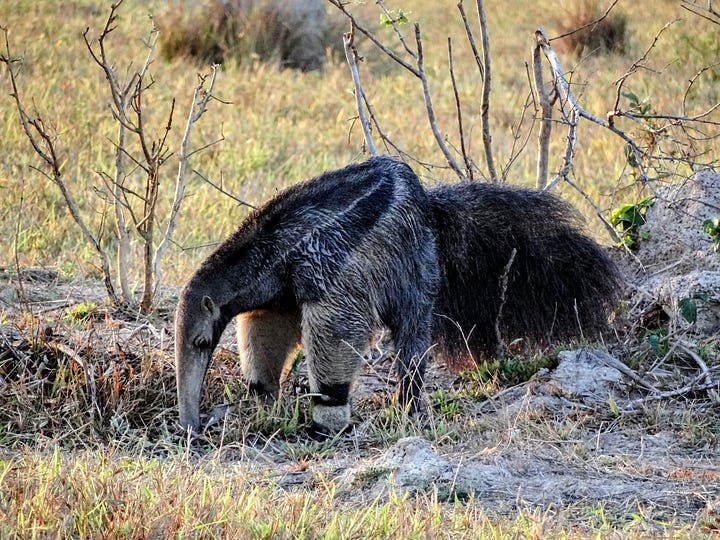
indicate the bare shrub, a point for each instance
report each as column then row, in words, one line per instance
column 294, row 33
column 587, row 28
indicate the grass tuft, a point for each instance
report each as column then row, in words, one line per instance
column 591, row 33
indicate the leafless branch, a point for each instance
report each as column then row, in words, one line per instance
column 201, row 97
column 591, row 23
column 223, row 191
column 429, row 107
column 637, row 64
column 458, row 107
column 542, row 96
column 352, row 58
column 487, row 85
column 42, row 139
column 712, row 14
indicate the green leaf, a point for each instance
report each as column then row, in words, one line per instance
column 688, row 309
column 654, row 341
column 632, row 98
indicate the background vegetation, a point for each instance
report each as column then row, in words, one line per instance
column 89, row 451
column 283, row 126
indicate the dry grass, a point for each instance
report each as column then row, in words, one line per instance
column 281, row 127
column 590, row 31
column 88, row 446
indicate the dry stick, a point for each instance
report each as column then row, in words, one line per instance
column 352, row 57
column 122, row 100
column 691, row 8
column 568, row 158
column 429, row 107
column 387, row 141
column 458, row 107
column 563, row 88
column 546, row 112
column 483, row 65
column 21, row 287
column 201, row 97
column 221, row 190
column 591, row 23
column 485, row 103
column 692, row 386
column 500, row 352
column 598, row 211
column 146, row 228
column 612, row 362
column 619, row 83
column 703, row 367
column 35, row 128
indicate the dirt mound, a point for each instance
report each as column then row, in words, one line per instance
column 680, row 270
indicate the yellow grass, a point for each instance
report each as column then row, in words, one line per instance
column 279, row 127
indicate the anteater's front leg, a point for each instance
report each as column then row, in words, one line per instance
column 335, row 339
column 266, row 341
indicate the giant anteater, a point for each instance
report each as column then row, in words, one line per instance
column 328, row 262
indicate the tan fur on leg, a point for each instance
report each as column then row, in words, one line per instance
column 266, row 342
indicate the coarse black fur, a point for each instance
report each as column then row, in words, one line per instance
column 330, row 261
column 514, row 265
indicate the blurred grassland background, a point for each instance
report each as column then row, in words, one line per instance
column 283, row 126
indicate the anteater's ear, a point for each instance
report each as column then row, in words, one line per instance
column 209, row 307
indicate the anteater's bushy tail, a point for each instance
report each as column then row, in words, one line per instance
column 559, row 283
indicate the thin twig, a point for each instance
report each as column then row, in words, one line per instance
column 430, row 110
column 486, row 87
column 201, row 97
column 221, row 190
column 458, row 107
column 591, row 23
column 612, row 362
column 703, row 367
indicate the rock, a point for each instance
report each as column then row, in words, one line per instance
column 585, row 373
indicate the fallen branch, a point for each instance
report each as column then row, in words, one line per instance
column 703, row 368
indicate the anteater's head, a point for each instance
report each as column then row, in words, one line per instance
column 198, row 326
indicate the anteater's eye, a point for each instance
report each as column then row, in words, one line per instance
column 202, row 342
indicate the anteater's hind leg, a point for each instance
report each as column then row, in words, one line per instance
column 412, row 336
column 266, row 339
column 335, row 339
